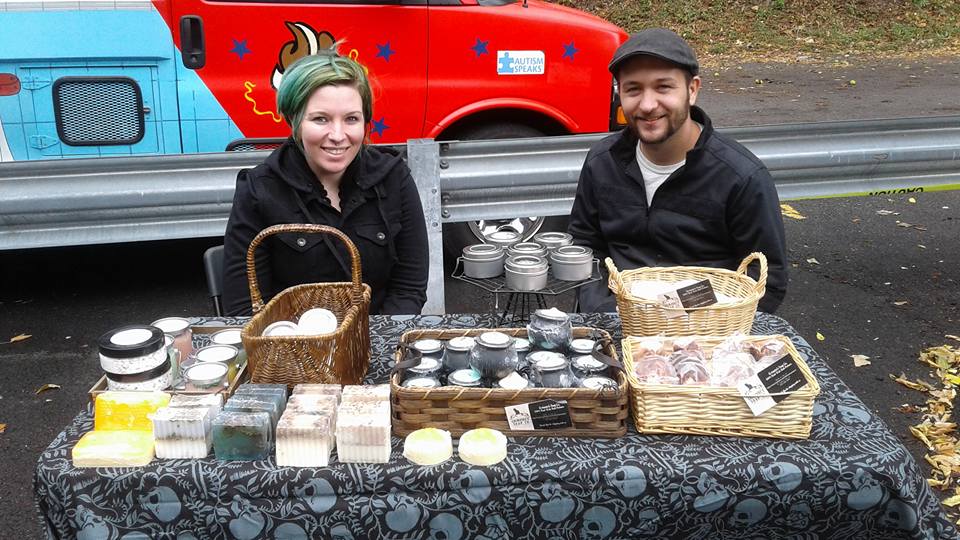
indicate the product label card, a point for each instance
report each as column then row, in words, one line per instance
column 521, row 63
column 772, row 385
column 545, row 414
column 699, row 294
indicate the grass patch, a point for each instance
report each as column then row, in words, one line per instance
column 746, row 30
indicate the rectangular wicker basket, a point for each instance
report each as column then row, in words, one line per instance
column 645, row 317
column 594, row 413
column 709, row 410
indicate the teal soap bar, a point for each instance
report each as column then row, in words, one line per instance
column 241, row 436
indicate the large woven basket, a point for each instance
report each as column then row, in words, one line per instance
column 593, row 413
column 645, row 317
column 708, row 410
column 340, row 357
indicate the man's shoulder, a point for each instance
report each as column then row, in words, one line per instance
column 733, row 154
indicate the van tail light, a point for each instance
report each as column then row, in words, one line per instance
column 617, row 119
column 9, row 84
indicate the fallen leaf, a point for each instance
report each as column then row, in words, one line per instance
column 913, row 385
column 811, row 260
column 820, row 337
column 791, row 212
column 3, row 427
column 855, row 220
column 912, row 200
column 887, row 213
column 953, row 337
column 921, row 246
column 46, row 387
column 901, row 303
column 904, row 224
column 21, row 337
column 952, row 501
column 919, row 228
column 908, row 408
column 860, row 360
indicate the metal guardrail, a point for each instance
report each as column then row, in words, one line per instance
column 105, row 200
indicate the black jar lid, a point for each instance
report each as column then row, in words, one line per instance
column 131, row 341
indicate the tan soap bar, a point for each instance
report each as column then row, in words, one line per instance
column 115, row 448
column 376, row 392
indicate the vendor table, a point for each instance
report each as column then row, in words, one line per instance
column 851, row 479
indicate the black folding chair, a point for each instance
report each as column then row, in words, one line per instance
column 213, row 268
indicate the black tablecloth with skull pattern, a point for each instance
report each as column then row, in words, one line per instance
column 851, row 479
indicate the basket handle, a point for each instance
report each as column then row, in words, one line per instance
column 257, row 300
column 615, row 281
column 762, row 278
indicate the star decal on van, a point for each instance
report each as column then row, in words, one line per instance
column 480, row 47
column 240, row 48
column 569, row 50
column 379, row 126
column 385, row 51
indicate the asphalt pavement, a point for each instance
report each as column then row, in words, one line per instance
column 873, row 276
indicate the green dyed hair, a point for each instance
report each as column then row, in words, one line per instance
column 326, row 68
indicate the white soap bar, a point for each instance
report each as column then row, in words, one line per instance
column 483, row 447
column 377, row 392
column 363, row 423
column 428, row 446
column 363, row 453
column 304, row 440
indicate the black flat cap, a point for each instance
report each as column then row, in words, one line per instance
column 658, row 42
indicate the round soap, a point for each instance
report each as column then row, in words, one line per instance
column 483, row 447
column 428, row 446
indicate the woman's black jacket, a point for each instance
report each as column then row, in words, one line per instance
column 380, row 212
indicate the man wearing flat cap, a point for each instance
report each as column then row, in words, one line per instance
column 668, row 190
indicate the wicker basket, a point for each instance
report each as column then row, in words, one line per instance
column 340, row 357
column 709, row 410
column 593, row 413
column 644, row 317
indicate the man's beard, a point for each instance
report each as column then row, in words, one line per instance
column 674, row 122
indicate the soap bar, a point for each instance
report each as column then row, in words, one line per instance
column 379, row 453
column 428, row 446
column 249, row 403
column 127, row 410
column 211, row 402
column 483, row 447
column 241, row 436
column 114, row 448
column 182, row 432
column 377, row 392
column 324, row 389
column 304, row 440
column 276, row 395
column 363, row 423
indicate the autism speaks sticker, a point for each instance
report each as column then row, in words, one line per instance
column 521, row 63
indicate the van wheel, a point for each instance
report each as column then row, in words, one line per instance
column 456, row 236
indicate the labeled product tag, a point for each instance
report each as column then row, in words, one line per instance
column 699, row 294
column 544, row 414
column 772, row 385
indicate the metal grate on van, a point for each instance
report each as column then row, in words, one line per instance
column 98, row 111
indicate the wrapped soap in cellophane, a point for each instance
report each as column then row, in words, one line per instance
column 651, row 362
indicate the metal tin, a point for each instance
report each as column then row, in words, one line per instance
column 464, row 377
column 482, row 261
column 429, row 366
column 503, row 238
column 597, row 382
column 158, row 378
column 206, row 374
column 493, row 355
column 586, row 365
column 526, row 272
column 179, row 329
column 317, row 322
column 550, row 370
column 428, row 347
column 231, row 336
column 572, row 263
column 281, row 328
column 457, row 353
column 225, row 354
column 582, row 346
column 513, row 381
column 550, row 329
column 552, row 240
column 522, row 346
column 527, row 248
column 421, row 382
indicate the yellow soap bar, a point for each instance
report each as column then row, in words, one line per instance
column 428, row 446
column 114, row 449
column 127, row 410
column 483, row 447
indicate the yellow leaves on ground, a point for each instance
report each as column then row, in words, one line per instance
column 21, row 337
column 936, row 430
column 46, row 387
column 860, row 360
column 820, row 337
column 3, row 427
column 791, row 212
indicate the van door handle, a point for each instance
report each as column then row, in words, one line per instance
column 191, row 42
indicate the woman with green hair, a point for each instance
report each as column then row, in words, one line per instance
column 326, row 174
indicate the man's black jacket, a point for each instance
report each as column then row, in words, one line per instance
column 380, row 213
column 713, row 211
